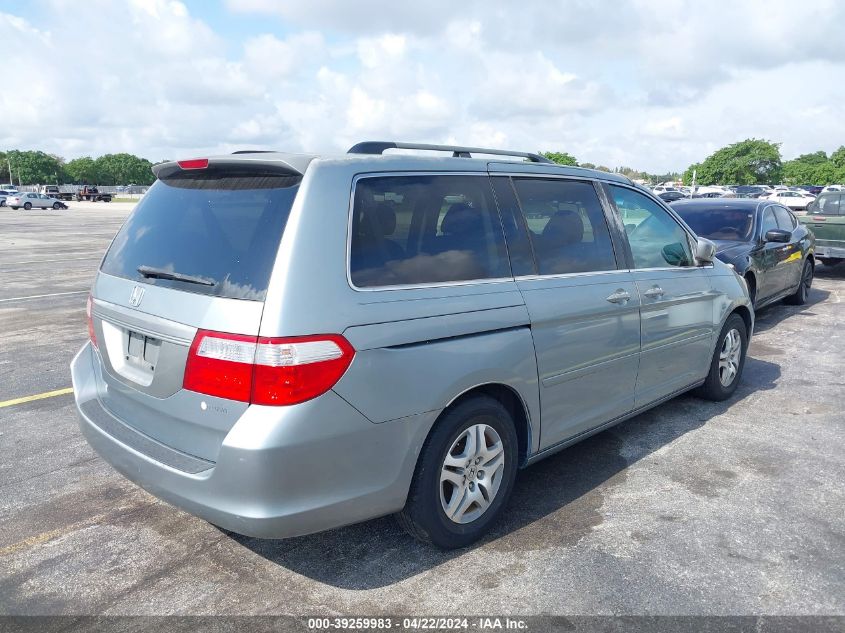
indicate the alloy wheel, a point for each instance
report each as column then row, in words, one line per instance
column 472, row 473
column 729, row 357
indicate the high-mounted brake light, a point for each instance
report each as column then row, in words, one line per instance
column 89, row 315
column 268, row 371
column 194, row 163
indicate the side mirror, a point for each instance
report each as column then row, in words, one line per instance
column 705, row 251
column 812, row 206
column 778, row 235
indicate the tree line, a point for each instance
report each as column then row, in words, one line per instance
column 39, row 168
column 564, row 158
column 748, row 162
column 757, row 161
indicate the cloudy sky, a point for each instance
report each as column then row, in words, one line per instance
column 651, row 84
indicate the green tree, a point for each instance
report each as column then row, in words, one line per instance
column 695, row 167
column 838, row 160
column 748, row 162
column 123, row 169
column 82, row 170
column 587, row 165
column 33, row 167
column 812, row 169
column 561, row 158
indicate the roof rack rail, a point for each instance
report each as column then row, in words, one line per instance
column 256, row 151
column 378, row 147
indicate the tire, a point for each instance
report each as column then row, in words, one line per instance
column 27, row 205
column 424, row 516
column 714, row 387
column 803, row 290
column 57, row 206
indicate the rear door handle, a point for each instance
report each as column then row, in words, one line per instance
column 654, row 293
column 620, row 296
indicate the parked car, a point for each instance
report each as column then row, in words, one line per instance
column 5, row 193
column 29, row 200
column 762, row 240
column 752, row 191
column 833, row 188
column 792, row 199
column 826, row 219
column 285, row 343
column 657, row 190
column 813, row 189
column 671, row 196
column 709, row 194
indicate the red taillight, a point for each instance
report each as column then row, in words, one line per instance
column 221, row 365
column 89, row 314
column 296, row 369
column 269, row 371
column 194, row 163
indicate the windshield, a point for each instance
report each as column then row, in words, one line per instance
column 217, row 225
column 718, row 223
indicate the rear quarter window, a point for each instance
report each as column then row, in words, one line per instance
column 220, row 226
column 425, row 229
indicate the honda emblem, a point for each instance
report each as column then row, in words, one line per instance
column 136, row 296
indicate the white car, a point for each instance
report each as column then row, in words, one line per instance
column 792, row 199
column 5, row 193
column 29, row 200
column 710, row 189
column 833, row 188
column 663, row 189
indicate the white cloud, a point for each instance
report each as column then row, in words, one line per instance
column 645, row 83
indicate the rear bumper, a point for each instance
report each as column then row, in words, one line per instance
column 834, row 252
column 280, row 472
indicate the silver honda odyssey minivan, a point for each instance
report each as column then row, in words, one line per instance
column 284, row 343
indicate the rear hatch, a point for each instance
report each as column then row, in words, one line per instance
column 196, row 254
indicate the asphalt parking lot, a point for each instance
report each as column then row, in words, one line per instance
column 691, row 508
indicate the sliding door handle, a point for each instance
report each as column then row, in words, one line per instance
column 620, row 296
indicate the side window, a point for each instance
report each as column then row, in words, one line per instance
column 425, row 229
column 829, row 204
column 516, row 236
column 769, row 221
column 566, row 225
column 656, row 238
column 784, row 219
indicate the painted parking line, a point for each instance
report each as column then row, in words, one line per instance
column 52, row 294
column 40, row 539
column 52, row 261
column 38, row 396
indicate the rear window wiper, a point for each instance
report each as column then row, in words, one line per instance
column 161, row 273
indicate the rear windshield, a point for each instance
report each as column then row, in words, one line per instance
column 718, row 223
column 217, row 230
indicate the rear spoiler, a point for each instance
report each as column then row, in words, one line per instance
column 254, row 162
